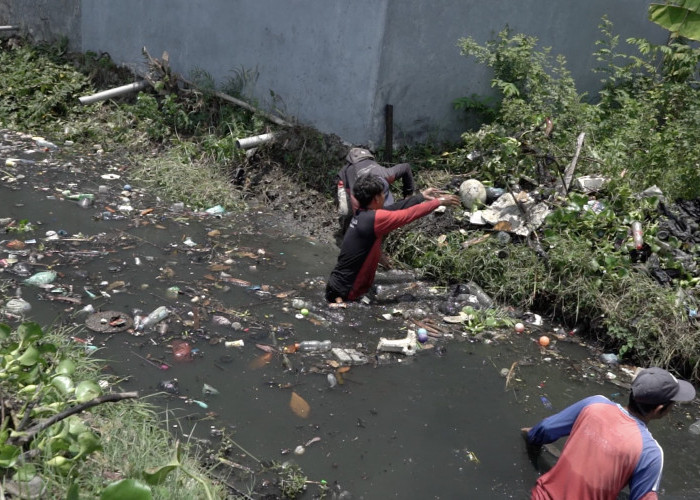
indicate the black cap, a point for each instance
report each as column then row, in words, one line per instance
column 656, row 386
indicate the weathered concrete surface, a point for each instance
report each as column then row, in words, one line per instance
column 335, row 65
column 49, row 20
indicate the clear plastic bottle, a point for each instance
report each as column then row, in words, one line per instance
column 342, row 199
column 695, row 428
column 637, row 235
column 314, row 346
column 156, row 316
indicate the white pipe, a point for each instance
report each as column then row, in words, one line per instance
column 256, row 140
column 9, row 28
column 107, row 94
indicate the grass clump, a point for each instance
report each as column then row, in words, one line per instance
column 176, row 177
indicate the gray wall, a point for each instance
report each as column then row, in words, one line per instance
column 335, row 64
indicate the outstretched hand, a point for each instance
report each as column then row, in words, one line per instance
column 450, row 200
column 432, row 193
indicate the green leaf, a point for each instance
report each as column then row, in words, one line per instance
column 8, row 455
column 87, row 390
column 65, row 367
column 88, row 443
column 25, row 472
column 73, row 492
column 64, row 384
column 683, row 19
column 30, row 356
column 5, row 331
column 76, row 426
column 47, row 348
column 127, row 488
column 156, row 475
column 29, row 332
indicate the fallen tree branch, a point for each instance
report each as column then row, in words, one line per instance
column 29, row 434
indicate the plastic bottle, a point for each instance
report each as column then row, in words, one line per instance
column 81, row 196
column 481, row 296
column 637, row 235
column 695, row 428
column 44, row 144
column 156, row 316
column 314, row 346
column 342, row 199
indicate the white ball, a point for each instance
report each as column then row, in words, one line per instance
column 472, row 191
column 519, row 327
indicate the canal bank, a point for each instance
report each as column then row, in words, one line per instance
column 441, row 423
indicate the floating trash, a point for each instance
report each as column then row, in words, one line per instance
column 109, row 322
column 42, row 278
column 17, row 306
column 170, row 386
column 546, row 402
column 208, row 390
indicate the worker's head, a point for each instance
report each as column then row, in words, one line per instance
column 654, row 390
column 367, row 189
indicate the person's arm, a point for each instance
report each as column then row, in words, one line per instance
column 386, row 221
column 558, row 425
column 646, row 477
column 402, row 172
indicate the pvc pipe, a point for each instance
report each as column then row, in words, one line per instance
column 256, row 140
column 107, row 94
column 9, row 28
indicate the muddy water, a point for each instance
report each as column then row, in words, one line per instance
column 439, row 424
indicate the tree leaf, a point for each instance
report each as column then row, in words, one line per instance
column 683, row 20
column 299, row 406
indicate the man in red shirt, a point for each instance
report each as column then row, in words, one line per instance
column 354, row 272
column 609, row 446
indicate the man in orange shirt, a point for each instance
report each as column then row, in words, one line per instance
column 609, row 446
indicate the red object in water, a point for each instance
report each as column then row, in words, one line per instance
column 182, row 350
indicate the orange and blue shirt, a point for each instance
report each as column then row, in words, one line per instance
column 607, row 449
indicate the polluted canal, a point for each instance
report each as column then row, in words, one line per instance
column 234, row 297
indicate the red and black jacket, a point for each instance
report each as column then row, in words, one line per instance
column 354, row 272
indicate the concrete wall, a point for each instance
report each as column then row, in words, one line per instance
column 48, row 20
column 335, row 64
column 422, row 71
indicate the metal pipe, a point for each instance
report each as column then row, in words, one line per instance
column 389, row 132
column 108, row 94
column 256, row 140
